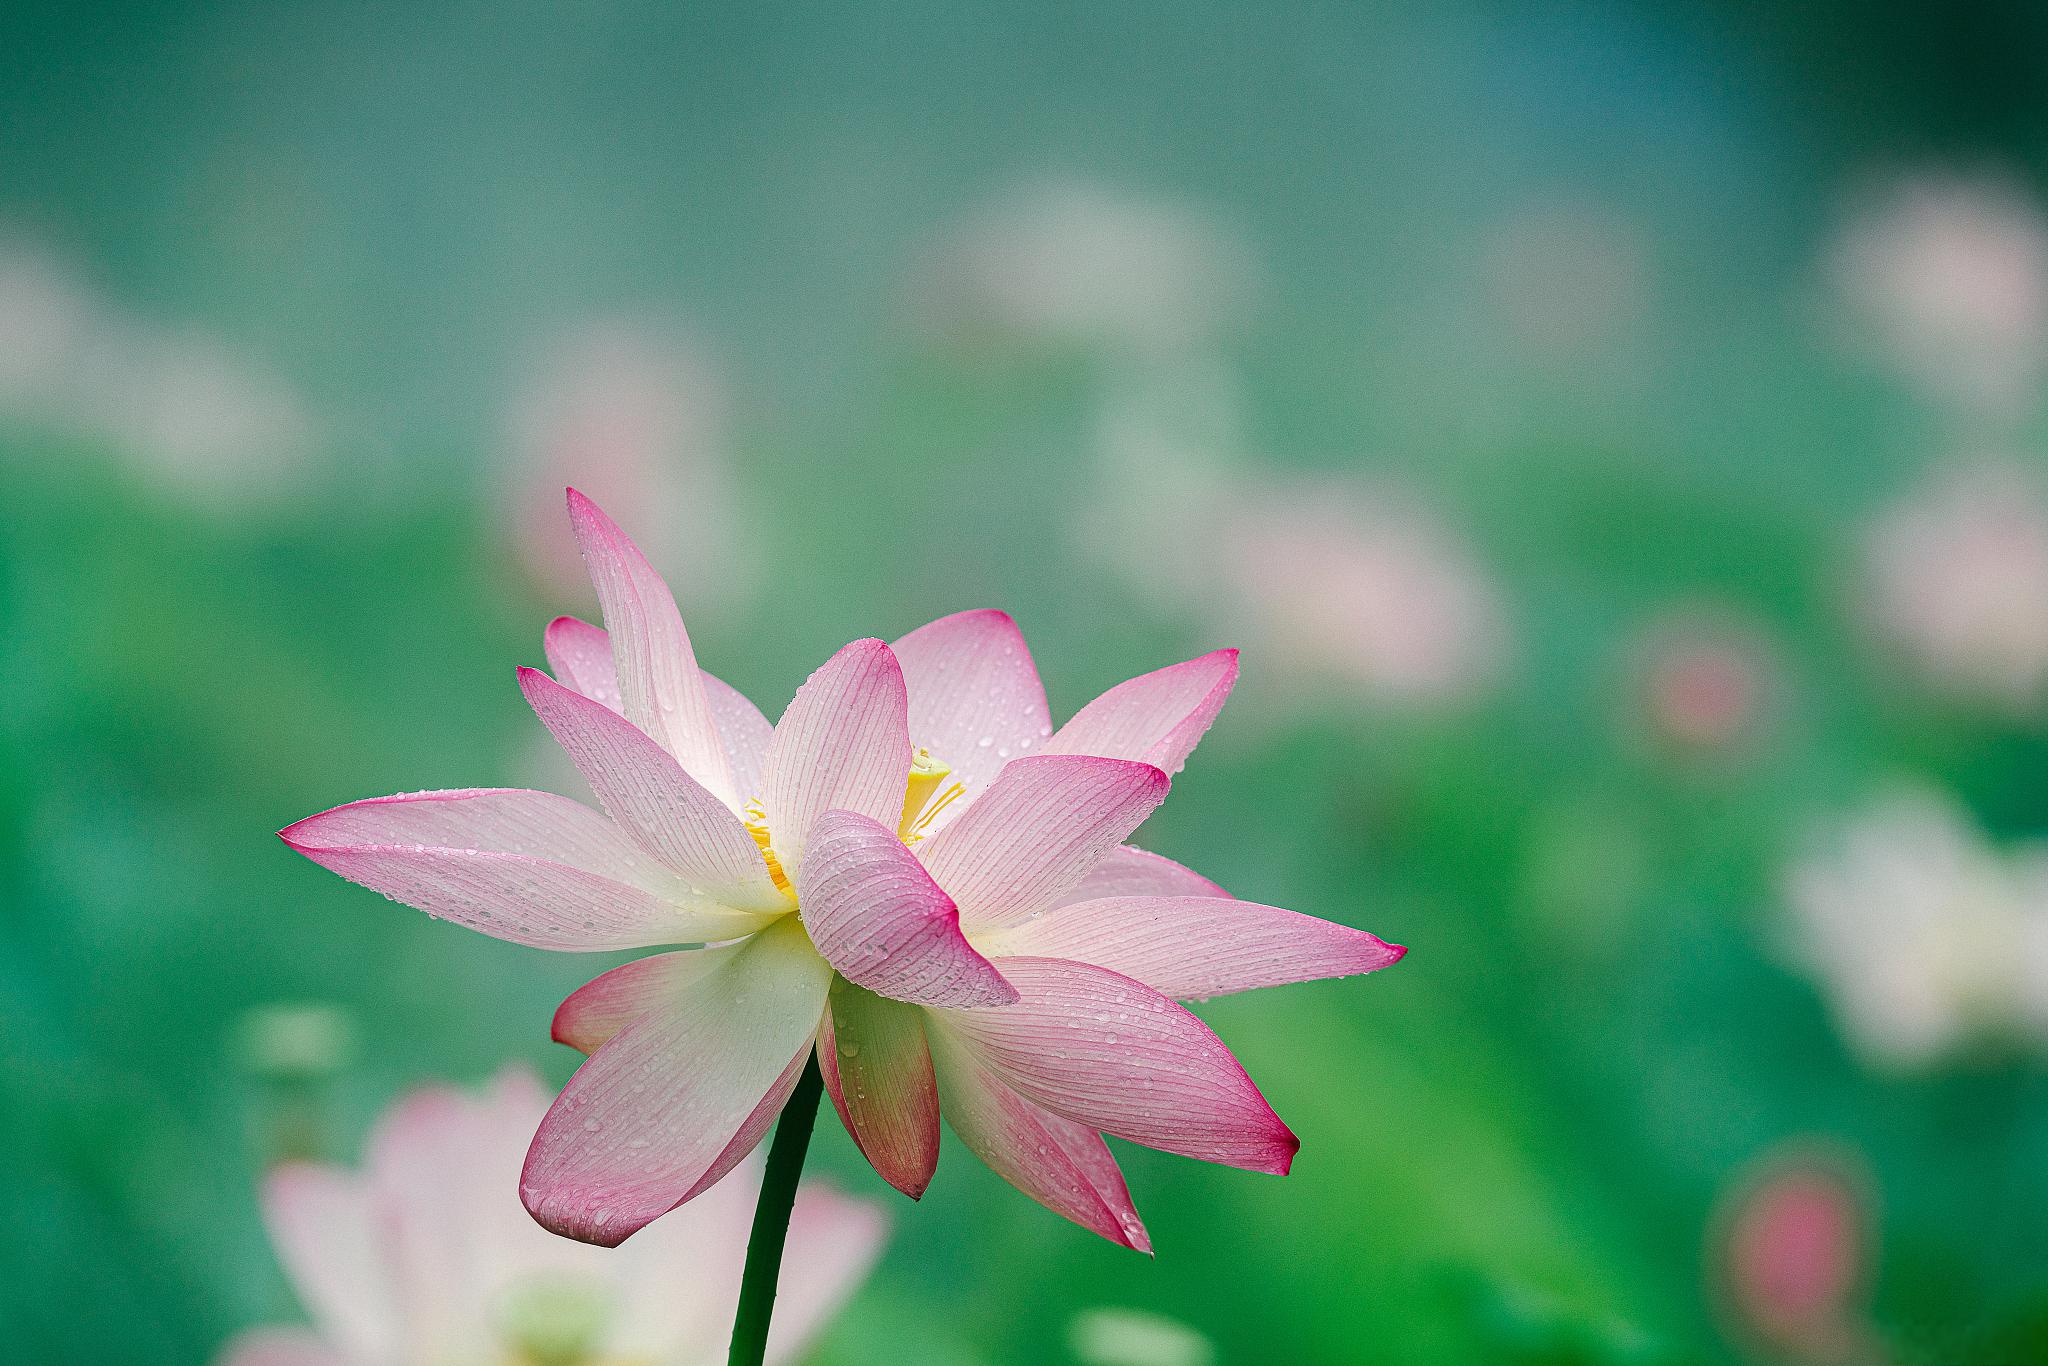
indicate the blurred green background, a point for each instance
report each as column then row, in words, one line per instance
column 1614, row 432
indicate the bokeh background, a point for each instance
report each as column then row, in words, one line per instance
column 1614, row 433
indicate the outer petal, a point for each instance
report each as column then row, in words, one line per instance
column 878, row 917
column 843, row 743
column 603, row 1006
column 1111, row 1054
column 323, row 1223
column 647, row 792
column 660, row 1107
column 1130, row 871
column 1043, row 823
column 1155, row 717
column 878, row 1071
column 529, row 867
column 581, row 656
column 754, row 1127
column 975, row 699
column 1194, row 947
column 657, row 669
column 1060, row 1164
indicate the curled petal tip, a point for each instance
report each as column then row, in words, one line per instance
column 1398, row 952
column 598, row 1229
column 1289, row 1147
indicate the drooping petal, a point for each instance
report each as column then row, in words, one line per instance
column 754, row 1127
column 606, row 1004
column 1130, row 871
column 878, row 1071
column 648, row 793
column 662, row 1104
column 656, row 667
column 1043, row 823
column 323, row 1223
column 529, row 867
column 878, row 917
column 1111, row 1054
column 581, row 656
column 1063, row 1166
column 975, row 699
column 1156, row 717
column 1195, row 947
column 843, row 743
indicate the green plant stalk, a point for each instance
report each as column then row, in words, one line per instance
column 771, row 1218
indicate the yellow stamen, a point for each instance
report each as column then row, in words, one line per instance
column 757, row 826
column 926, row 774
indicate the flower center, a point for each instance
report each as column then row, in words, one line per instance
column 920, row 808
column 926, row 776
column 757, row 826
column 554, row 1321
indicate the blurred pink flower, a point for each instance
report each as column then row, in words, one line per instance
column 1957, row 577
column 424, row 1256
column 1340, row 586
column 1703, row 678
column 959, row 887
column 637, row 418
column 1949, row 275
column 1793, row 1247
column 1924, row 936
column 1067, row 261
column 185, row 409
column 1368, row 588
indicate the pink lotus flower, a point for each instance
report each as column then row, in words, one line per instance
column 911, row 870
column 424, row 1256
column 1792, row 1249
column 1956, row 576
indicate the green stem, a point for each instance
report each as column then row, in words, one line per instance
column 771, row 1218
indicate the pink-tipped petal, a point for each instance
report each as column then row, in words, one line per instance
column 529, row 867
column 878, row 1071
column 975, row 699
column 1130, row 871
column 1155, row 718
column 324, row 1224
column 656, row 667
column 1063, row 1166
column 606, row 1004
column 1112, row 1054
column 1032, row 837
column 655, row 801
column 843, row 743
column 660, row 1107
column 878, row 917
column 581, row 656
column 1195, row 947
